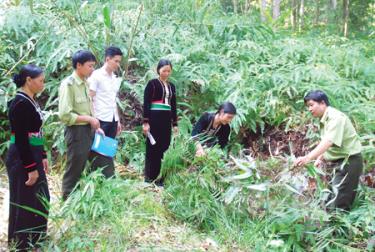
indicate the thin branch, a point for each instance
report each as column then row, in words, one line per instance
column 125, row 74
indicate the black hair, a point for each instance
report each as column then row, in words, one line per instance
column 112, row 51
column 317, row 96
column 29, row 70
column 228, row 108
column 81, row 57
column 163, row 62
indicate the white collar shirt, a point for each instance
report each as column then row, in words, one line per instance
column 106, row 88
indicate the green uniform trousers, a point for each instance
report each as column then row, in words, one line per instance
column 345, row 181
column 78, row 139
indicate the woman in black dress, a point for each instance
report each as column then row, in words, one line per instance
column 159, row 115
column 213, row 128
column 27, row 164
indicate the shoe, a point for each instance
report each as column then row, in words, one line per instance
column 159, row 183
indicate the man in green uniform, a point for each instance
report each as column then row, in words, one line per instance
column 75, row 111
column 340, row 145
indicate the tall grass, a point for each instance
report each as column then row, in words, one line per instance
column 116, row 215
column 248, row 204
column 216, row 57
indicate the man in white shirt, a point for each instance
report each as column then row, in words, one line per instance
column 104, row 87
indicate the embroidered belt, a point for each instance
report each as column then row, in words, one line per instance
column 160, row 106
column 35, row 139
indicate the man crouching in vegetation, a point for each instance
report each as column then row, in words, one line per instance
column 340, row 146
column 75, row 111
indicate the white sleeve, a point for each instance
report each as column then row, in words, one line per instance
column 93, row 82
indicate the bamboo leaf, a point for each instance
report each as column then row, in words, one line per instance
column 107, row 16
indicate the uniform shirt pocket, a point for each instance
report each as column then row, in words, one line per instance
column 80, row 99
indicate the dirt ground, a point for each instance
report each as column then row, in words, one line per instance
column 276, row 141
column 55, row 191
column 4, row 199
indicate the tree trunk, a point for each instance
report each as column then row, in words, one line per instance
column 31, row 5
column 275, row 9
column 263, row 7
column 235, row 6
column 346, row 17
column 301, row 14
column 294, row 13
column 317, row 12
column 332, row 16
column 334, row 4
column 247, row 6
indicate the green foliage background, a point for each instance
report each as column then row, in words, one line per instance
column 217, row 56
column 263, row 68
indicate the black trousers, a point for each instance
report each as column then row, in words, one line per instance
column 160, row 128
column 109, row 128
column 29, row 205
column 99, row 161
